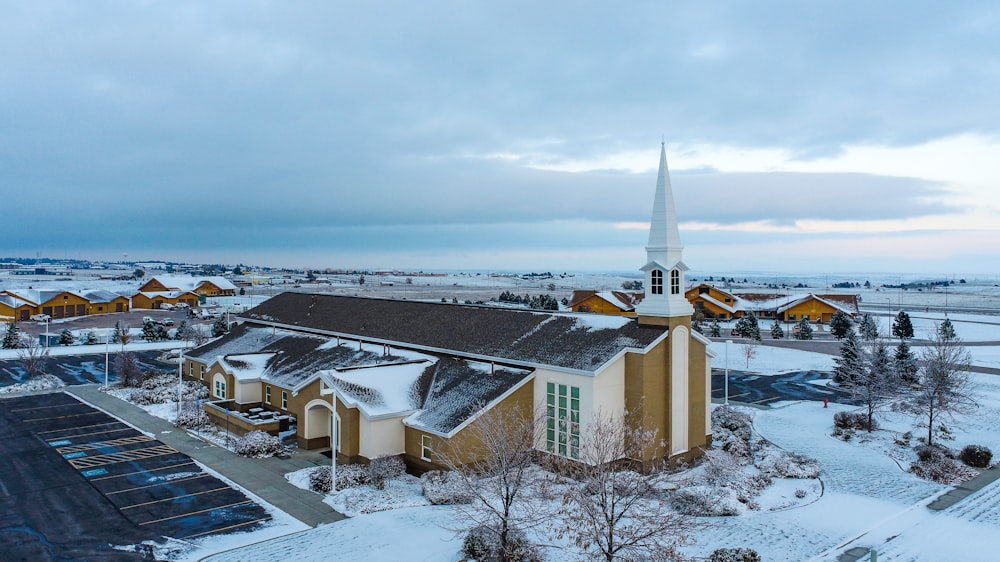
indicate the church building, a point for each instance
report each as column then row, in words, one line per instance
column 371, row 377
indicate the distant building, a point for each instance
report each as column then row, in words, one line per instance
column 714, row 302
column 605, row 302
column 214, row 286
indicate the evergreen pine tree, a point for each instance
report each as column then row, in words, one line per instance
column 805, row 330
column 840, row 324
column 868, row 328
column 220, row 327
column 747, row 327
column 850, row 363
column 149, row 331
column 776, row 332
column 12, row 337
column 902, row 327
column 714, row 329
column 905, row 364
column 90, row 339
column 116, row 335
column 66, row 337
column 946, row 331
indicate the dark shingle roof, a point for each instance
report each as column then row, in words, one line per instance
column 520, row 336
column 455, row 390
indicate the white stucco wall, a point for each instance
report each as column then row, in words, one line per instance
column 247, row 392
column 604, row 393
column 381, row 437
column 679, row 390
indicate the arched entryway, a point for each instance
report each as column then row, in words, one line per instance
column 320, row 423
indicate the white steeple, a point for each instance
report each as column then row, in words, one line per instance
column 665, row 269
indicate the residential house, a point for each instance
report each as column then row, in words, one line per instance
column 605, row 302
column 213, row 286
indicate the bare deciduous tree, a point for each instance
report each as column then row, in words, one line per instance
column 749, row 351
column 615, row 513
column 128, row 368
column 945, row 387
column 33, row 358
column 494, row 459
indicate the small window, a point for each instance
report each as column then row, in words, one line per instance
column 284, row 399
column 267, row 394
column 425, row 447
column 656, row 282
column 675, row 282
column 202, row 377
column 220, row 388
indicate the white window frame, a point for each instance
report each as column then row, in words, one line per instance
column 267, row 394
column 220, row 388
column 656, row 282
column 284, row 399
column 426, row 451
column 562, row 419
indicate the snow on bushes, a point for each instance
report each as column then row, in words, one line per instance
column 708, row 501
column 938, row 464
column 734, row 555
column 976, row 456
column 782, row 464
column 732, row 431
column 853, row 420
column 161, row 388
column 481, row 543
column 445, row 487
column 348, row 476
column 319, row 479
column 383, row 468
column 258, row 445
column 193, row 416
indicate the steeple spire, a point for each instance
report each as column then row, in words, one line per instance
column 664, row 267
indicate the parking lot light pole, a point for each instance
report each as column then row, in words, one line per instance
column 726, row 401
column 180, row 380
column 106, row 361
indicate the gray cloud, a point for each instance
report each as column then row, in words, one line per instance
column 190, row 124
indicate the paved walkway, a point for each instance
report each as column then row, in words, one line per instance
column 263, row 477
column 965, row 489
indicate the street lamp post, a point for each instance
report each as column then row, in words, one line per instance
column 334, row 442
column 180, row 382
column 888, row 312
column 726, row 400
column 106, row 362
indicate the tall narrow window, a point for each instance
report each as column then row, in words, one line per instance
column 284, row 399
column 656, row 282
column 562, row 420
column 425, row 447
column 267, row 394
column 675, row 282
column 220, row 388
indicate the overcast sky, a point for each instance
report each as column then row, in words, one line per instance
column 801, row 136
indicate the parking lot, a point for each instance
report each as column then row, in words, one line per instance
column 762, row 390
column 80, row 369
column 75, row 480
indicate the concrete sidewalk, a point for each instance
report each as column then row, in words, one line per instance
column 965, row 489
column 263, row 477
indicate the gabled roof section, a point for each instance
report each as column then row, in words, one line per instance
column 188, row 283
column 621, row 299
column 708, row 298
column 517, row 337
column 456, row 390
column 836, row 305
column 101, row 296
column 656, row 264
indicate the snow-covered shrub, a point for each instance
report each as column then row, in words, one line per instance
column 707, row 501
column 938, row 464
column 351, row 476
column 258, row 445
column 725, row 471
column 161, row 388
column 976, row 455
column 732, row 432
column 853, row 420
column 193, row 417
column 384, row 468
column 319, row 479
column 481, row 543
column 445, row 487
column 800, row 493
column 782, row 464
column 734, row 555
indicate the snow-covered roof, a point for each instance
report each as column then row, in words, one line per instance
column 248, row 367
column 14, row 302
column 188, row 283
column 564, row 341
column 717, row 302
column 838, row 306
column 379, row 390
column 100, row 296
column 163, row 294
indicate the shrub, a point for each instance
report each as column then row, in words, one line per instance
column 351, row 476
column 800, row 493
column 258, row 444
column 782, row 464
column 734, row 555
column 938, row 464
column 706, row 501
column 193, row 417
column 444, row 487
column 856, row 420
column 976, row 456
column 385, row 468
column 481, row 543
column 319, row 479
